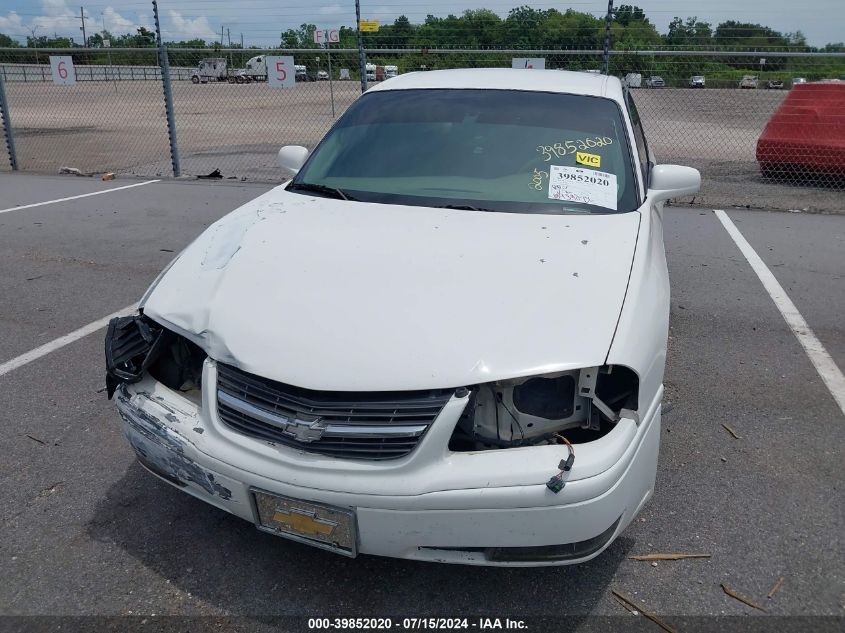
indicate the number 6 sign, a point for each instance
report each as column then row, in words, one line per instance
column 62, row 69
column 280, row 72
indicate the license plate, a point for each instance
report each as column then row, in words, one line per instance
column 328, row 527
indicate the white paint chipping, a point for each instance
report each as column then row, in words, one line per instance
column 823, row 362
column 82, row 195
column 60, row 342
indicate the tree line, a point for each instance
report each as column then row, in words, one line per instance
column 524, row 27
column 527, row 28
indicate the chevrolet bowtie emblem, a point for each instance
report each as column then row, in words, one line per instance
column 304, row 430
column 304, row 522
column 301, row 427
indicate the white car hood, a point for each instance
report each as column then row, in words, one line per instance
column 330, row 294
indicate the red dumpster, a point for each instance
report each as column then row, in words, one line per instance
column 807, row 132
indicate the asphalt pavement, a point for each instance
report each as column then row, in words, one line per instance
column 85, row 531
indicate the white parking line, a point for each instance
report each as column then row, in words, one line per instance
column 82, row 195
column 823, row 362
column 60, row 342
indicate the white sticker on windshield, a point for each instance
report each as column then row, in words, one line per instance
column 588, row 186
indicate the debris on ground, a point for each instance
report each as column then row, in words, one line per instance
column 73, row 171
column 650, row 557
column 46, row 492
column 737, row 596
column 625, row 604
column 109, row 175
column 212, row 176
column 35, row 439
column 731, row 431
column 776, row 588
column 631, row 606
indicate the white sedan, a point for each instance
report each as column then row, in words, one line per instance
column 444, row 339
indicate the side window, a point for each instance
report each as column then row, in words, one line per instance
column 639, row 137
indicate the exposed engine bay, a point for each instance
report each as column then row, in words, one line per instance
column 137, row 344
column 535, row 410
column 585, row 404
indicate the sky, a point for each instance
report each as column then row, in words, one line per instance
column 261, row 21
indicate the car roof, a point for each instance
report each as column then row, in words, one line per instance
column 562, row 81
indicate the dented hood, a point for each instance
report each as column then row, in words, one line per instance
column 331, row 294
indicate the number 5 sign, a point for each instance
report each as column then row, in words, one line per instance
column 62, row 68
column 280, row 72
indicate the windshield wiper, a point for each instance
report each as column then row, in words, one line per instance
column 333, row 192
column 463, row 207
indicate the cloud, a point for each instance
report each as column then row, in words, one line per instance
column 56, row 16
column 178, row 27
column 115, row 23
column 57, row 8
column 12, row 24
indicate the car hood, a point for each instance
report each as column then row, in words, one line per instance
column 339, row 295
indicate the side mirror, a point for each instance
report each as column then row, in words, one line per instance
column 671, row 181
column 292, row 157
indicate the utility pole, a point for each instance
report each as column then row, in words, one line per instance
column 82, row 28
column 221, row 36
column 607, row 22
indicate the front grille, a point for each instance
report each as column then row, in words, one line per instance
column 353, row 425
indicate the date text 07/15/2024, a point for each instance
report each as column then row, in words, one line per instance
column 416, row 623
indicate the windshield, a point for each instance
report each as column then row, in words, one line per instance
column 496, row 150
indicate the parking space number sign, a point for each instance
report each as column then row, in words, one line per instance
column 280, row 72
column 62, row 69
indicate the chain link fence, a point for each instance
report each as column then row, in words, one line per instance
column 104, row 124
column 745, row 119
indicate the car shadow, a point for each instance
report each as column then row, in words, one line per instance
column 228, row 563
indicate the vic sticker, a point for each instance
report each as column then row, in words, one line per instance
column 591, row 160
column 574, row 184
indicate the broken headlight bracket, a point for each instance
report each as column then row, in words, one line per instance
column 587, row 380
column 132, row 344
column 530, row 410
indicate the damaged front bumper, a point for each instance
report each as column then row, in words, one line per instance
column 484, row 508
